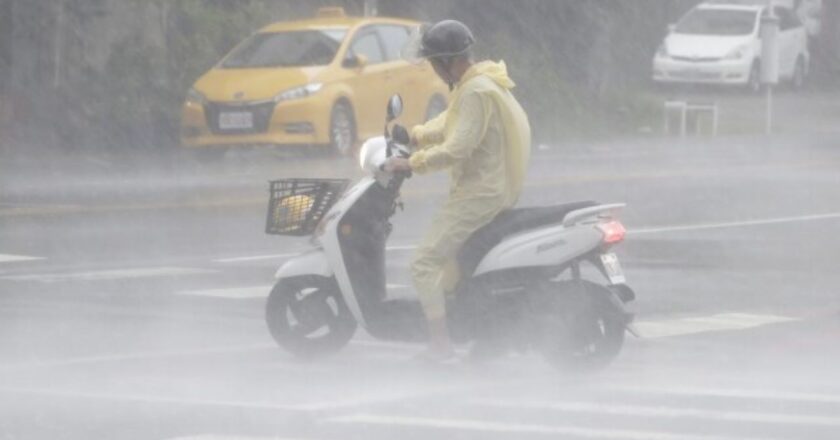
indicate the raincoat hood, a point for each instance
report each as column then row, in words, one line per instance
column 493, row 70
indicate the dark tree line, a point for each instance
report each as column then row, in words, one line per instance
column 113, row 73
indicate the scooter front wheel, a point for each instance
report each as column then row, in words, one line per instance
column 308, row 317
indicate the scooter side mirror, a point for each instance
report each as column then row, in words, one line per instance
column 395, row 107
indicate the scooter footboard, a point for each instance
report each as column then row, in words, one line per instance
column 311, row 263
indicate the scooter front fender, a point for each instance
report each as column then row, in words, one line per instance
column 313, row 262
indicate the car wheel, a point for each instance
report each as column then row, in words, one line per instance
column 798, row 79
column 754, row 81
column 436, row 106
column 342, row 129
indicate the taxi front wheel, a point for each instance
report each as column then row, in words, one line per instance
column 342, row 129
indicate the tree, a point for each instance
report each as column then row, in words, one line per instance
column 5, row 67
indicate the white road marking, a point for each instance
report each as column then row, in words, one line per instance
column 638, row 410
column 233, row 293
column 390, row 395
column 232, row 437
column 406, row 346
column 734, row 393
column 105, row 275
column 251, row 292
column 640, row 231
column 140, row 398
column 6, row 258
column 258, row 258
column 719, row 322
column 121, row 357
column 521, row 428
column 399, row 248
column 738, row 224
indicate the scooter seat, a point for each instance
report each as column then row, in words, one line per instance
column 507, row 223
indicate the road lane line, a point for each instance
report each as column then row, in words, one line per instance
column 136, row 356
column 258, row 258
column 638, row 410
column 7, row 258
column 399, row 248
column 737, row 224
column 232, row 437
column 391, row 395
column 704, row 324
column 639, row 231
column 110, row 275
column 122, row 357
column 231, row 293
column 521, row 428
column 733, row 393
column 142, row 398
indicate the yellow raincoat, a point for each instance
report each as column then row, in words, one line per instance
column 484, row 139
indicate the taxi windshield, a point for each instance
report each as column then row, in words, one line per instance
column 287, row 49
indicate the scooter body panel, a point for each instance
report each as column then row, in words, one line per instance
column 550, row 246
column 310, row 263
column 331, row 243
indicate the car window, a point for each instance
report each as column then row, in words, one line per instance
column 368, row 45
column 287, row 49
column 717, row 22
column 394, row 37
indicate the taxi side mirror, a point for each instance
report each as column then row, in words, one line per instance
column 355, row 62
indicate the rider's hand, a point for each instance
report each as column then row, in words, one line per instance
column 397, row 164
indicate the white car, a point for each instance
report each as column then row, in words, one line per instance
column 720, row 43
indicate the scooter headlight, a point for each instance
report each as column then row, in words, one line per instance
column 372, row 154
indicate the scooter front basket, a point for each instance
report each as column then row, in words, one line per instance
column 296, row 206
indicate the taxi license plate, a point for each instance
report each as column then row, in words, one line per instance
column 236, row 121
column 613, row 268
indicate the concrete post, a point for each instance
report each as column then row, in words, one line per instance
column 371, row 7
column 769, row 59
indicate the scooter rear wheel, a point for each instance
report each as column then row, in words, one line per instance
column 582, row 331
column 308, row 317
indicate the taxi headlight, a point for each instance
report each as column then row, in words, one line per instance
column 196, row 97
column 299, row 92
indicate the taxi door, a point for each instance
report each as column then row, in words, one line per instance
column 368, row 81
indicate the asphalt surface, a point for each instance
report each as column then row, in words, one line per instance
column 132, row 294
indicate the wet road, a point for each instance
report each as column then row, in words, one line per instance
column 132, row 299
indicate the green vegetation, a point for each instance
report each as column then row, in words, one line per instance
column 113, row 74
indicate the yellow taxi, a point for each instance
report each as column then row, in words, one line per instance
column 320, row 81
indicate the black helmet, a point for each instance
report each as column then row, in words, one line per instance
column 443, row 39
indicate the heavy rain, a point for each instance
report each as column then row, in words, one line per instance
column 205, row 235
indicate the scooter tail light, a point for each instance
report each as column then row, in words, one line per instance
column 613, row 231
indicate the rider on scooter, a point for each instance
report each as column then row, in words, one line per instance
column 484, row 139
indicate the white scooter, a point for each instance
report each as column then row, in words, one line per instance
column 521, row 286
